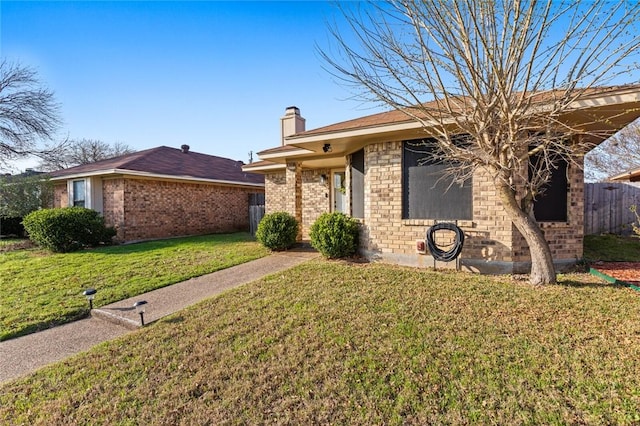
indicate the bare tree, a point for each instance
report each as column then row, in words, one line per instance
column 28, row 113
column 501, row 72
column 616, row 155
column 84, row 151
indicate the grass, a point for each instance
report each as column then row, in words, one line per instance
column 611, row 248
column 335, row 343
column 40, row 289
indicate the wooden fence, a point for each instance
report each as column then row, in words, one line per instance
column 256, row 211
column 606, row 207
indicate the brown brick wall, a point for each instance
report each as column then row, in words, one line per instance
column 113, row 205
column 490, row 236
column 143, row 209
column 158, row 209
column 276, row 192
column 60, row 195
column 315, row 198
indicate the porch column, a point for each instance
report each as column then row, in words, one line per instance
column 294, row 193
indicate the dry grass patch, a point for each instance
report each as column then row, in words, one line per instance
column 336, row 343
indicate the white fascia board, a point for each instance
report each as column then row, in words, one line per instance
column 292, row 153
column 364, row 131
column 266, row 167
column 154, row 175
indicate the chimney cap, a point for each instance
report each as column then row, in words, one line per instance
column 292, row 110
column 184, row 148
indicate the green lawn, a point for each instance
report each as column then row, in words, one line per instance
column 39, row 289
column 335, row 343
column 611, row 248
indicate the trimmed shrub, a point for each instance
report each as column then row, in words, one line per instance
column 277, row 231
column 67, row 229
column 335, row 235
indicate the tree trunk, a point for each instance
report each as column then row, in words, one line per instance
column 542, row 269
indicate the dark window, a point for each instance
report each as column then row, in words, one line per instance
column 78, row 193
column 551, row 205
column 357, row 184
column 426, row 193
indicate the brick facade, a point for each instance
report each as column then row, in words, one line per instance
column 60, row 195
column 143, row 209
column 316, row 198
column 492, row 243
column 275, row 186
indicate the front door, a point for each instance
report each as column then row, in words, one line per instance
column 338, row 191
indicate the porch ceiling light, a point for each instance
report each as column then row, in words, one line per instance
column 140, row 309
column 327, row 147
column 90, row 293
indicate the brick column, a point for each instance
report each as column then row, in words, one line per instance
column 293, row 202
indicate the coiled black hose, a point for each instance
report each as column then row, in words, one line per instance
column 437, row 252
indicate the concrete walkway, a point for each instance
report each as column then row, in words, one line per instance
column 23, row 355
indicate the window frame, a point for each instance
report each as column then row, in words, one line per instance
column 72, row 193
column 466, row 189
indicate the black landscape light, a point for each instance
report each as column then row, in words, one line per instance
column 90, row 293
column 140, row 308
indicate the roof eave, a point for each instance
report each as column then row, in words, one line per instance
column 263, row 168
column 138, row 173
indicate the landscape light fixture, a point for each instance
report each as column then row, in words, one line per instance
column 140, row 308
column 327, row 147
column 90, row 293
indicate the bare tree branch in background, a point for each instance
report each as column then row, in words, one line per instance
column 502, row 72
column 72, row 153
column 616, row 155
column 28, row 113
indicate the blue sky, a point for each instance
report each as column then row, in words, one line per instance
column 215, row 75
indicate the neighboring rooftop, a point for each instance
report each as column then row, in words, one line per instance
column 168, row 161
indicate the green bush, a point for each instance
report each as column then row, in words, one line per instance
column 67, row 229
column 335, row 235
column 277, row 231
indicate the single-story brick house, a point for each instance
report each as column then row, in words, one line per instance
column 368, row 168
column 162, row 192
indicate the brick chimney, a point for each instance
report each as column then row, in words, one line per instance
column 291, row 123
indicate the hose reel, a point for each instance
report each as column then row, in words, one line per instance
column 437, row 252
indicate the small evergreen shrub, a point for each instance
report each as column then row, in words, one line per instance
column 67, row 229
column 277, row 231
column 335, row 235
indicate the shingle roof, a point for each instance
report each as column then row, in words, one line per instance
column 164, row 160
column 397, row 116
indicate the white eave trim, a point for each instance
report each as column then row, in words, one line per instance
column 363, row 131
column 292, row 153
column 153, row 175
column 265, row 167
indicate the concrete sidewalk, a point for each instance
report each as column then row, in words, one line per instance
column 23, row 355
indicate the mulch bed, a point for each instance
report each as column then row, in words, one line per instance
column 628, row 272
